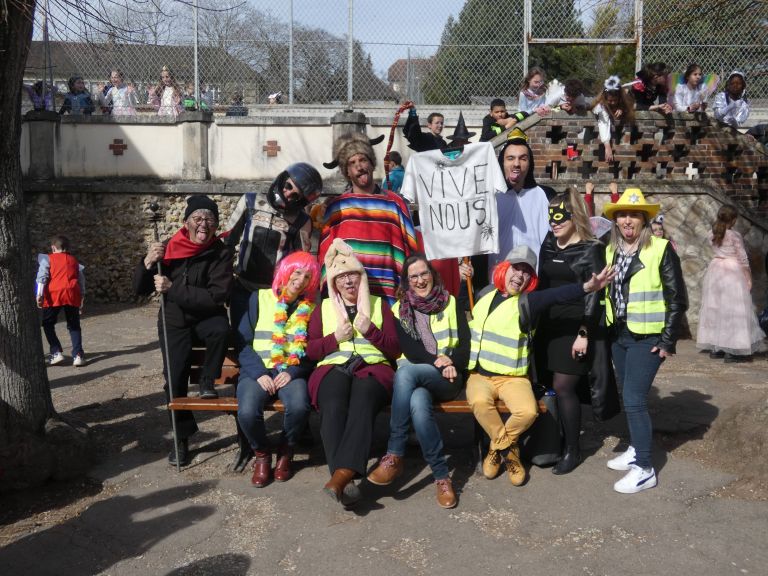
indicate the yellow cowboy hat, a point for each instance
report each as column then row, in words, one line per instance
column 634, row 201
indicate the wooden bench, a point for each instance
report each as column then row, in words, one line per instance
column 230, row 372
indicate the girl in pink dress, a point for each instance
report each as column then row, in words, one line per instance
column 727, row 322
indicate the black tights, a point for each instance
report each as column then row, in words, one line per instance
column 569, row 406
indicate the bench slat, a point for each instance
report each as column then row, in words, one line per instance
column 229, row 404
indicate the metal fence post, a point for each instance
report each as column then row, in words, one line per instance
column 350, row 46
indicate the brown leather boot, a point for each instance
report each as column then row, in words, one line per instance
column 262, row 469
column 446, row 497
column 283, row 468
column 515, row 468
column 335, row 486
column 389, row 468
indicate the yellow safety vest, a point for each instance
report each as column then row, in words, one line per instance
column 444, row 325
column 358, row 345
column 498, row 344
column 265, row 325
column 646, row 308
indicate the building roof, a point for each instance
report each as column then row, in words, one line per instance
column 139, row 62
column 398, row 71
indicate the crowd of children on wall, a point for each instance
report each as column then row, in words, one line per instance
column 390, row 330
column 121, row 98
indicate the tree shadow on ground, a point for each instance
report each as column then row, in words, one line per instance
column 220, row 565
column 131, row 524
column 81, row 377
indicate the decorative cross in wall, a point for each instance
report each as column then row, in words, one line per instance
column 692, row 171
column 118, row 147
column 271, row 148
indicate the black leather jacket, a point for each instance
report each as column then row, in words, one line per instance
column 675, row 294
column 583, row 258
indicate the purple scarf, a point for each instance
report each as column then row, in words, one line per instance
column 435, row 301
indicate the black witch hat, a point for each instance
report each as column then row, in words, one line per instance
column 460, row 133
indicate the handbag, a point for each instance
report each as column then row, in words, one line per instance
column 542, row 443
column 762, row 318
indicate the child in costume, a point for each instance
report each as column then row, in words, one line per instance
column 60, row 286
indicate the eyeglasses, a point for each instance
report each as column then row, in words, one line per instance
column 197, row 220
column 420, row 276
column 347, row 276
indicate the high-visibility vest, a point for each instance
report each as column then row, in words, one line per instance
column 358, row 345
column 646, row 308
column 63, row 288
column 444, row 325
column 265, row 326
column 498, row 343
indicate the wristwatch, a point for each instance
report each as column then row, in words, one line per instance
column 582, row 332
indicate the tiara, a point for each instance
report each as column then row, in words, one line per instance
column 612, row 84
column 517, row 134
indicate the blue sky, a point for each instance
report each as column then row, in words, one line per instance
column 387, row 27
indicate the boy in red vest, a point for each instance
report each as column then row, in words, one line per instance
column 61, row 285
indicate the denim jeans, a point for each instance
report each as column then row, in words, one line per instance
column 416, row 387
column 72, row 314
column 251, row 398
column 636, row 368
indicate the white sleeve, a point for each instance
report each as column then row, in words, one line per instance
column 741, row 113
column 408, row 189
column 603, row 123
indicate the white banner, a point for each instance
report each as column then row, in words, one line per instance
column 457, row 200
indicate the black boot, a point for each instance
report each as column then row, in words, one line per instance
column 206, row 388
column 183, row 454
column 568, row 462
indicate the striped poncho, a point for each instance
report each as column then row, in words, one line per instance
column 379, row 229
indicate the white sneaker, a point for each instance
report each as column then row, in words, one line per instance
column 57, row 358
column 622, row 461
column 636, row 480
column 78, row 361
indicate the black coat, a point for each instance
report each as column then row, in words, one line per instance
column 200, row 285
column 675, row 294
column 583, row 259
column 421, row 141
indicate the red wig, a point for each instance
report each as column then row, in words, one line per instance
column 289, row 265
column 500, row 277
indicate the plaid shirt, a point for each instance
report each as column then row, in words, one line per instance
column 623, row 261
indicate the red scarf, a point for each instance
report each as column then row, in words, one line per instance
column 180, row 247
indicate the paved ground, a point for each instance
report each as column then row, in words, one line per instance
column 134, row 514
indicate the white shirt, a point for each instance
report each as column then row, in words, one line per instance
column 456, row 201
column 523, row 219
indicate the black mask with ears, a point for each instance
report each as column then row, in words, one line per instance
column 559, row 214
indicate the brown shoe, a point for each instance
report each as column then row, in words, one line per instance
column 335, row 486
column 492, row 464
column 284, row 468
column 262, row 469
column 446, row 497
column 389, row 468
column 515, row 467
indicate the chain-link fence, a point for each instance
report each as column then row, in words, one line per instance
column 432, row 51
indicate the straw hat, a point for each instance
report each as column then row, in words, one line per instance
column 634, row 201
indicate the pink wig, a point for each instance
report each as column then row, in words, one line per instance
column 289, row 265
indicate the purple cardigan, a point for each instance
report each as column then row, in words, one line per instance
column 385, row 339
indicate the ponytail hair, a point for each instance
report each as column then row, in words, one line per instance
column 726, row 216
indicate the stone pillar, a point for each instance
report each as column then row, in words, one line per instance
column 346, row 122
column 194, row 126
column 43, row 127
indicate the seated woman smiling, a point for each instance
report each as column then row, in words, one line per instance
column 352, row 337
